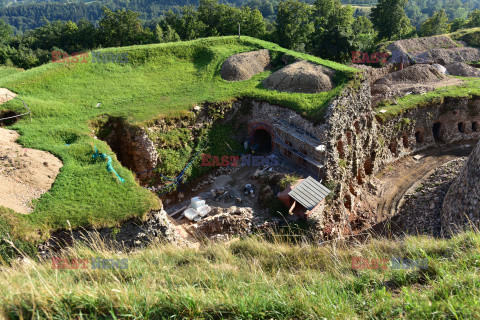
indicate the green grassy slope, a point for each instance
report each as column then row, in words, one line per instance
column 255, row 279
column 470, row 36
column 6, row 71
column 163, row 79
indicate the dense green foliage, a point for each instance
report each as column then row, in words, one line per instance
column 389, row 19
column 437, row 24
column 293, row 24
column 420, row 10
column 472, row 38
column 333, row 36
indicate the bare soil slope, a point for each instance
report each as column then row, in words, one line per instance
column 416, row 79
column 397, row 179
column 421, row 44
column 25, row 174
column 6, row 95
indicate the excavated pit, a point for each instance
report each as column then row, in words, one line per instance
column 131, row 145
column 8, row 117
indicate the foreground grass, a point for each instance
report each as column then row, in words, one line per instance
column 159, row 80
column 254, row 279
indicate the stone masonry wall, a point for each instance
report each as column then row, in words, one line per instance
column 263, row 115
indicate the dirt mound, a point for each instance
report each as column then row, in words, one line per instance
column 462, row 69
column 422, row 44
column 414, row 75
column 25, row 174
column 417, row 79
column 444, row 56
column 231, row 221
column 402, row 49
column 302, row 76
column 243, row 66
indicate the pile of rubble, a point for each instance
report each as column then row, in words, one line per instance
column 461, row 207
column 421, row 210
column 227, row 222
column 132, row 234
column 228, row 170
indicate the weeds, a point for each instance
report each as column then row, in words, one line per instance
column 278, row 278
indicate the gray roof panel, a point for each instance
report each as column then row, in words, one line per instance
column 309, row 193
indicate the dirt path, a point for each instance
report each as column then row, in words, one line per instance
column 25, row 174
column 399, row 177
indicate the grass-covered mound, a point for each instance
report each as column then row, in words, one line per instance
column 6, row 71
column 470, row 36
column 256, row 279
column 158, row 80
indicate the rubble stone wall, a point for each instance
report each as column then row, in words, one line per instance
column 461, row 205
column 454, row 120
column 359, row 144
column 351, row 142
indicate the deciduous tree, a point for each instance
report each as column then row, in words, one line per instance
column 437, row 24
column 390, row 20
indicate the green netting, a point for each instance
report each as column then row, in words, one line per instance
column 110, row 168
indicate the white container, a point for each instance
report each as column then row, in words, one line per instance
column 203, row 211
column 190, row 214
column 197, row 203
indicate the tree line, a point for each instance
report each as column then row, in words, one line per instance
column 29, row 14
column 326, row 28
